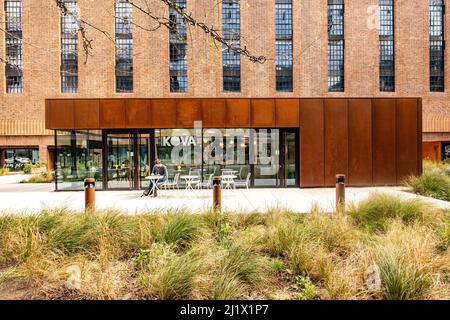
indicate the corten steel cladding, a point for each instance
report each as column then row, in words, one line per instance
column 340, row 192
column 89, row 194
column 217, row 193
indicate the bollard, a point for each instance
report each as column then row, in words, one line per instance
column 217, row 193
column 340, row 192
column 89, row 194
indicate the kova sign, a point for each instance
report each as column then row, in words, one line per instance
column 225, row 147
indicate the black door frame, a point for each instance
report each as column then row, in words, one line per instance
column 281, row 176
column 134, row 137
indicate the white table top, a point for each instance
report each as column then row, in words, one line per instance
column 228, row 176
column 155, row 177
column 189, row 177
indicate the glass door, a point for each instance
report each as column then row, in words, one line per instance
column 144, row 141
column 289, row 156
column 120, row 162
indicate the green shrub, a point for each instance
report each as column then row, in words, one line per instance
column 45, row 177
column 86, row 232
column 177, row 278
column 179, row 229
column 220, row 226
column 277, row 264
column 431, row 184
column 243, row 264
column 375, row 212
column 228, row 287
column 305, row 288
column 4, row 171
column 401, row 280
column 27, row 169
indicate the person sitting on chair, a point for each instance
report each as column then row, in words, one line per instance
column 161, row 170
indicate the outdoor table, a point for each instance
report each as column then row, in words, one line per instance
column 154, row 178
column 228, row 179
column 189, row 178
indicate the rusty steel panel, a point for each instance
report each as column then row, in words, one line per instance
column 86, row 114
column 188, row 111
column 384, row 146
column 407, row 149
column 238, row 113
column 112, row 113
column 432, row 151
column 419, row 137
column 336, row 139
column 163, row 113
column 263, row 113
column 287, row 113
column 311, row 143
column 359, row 142
column 137, row 113
column 214, row 113
column 61, row 114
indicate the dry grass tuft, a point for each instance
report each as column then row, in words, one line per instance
column 382, row 248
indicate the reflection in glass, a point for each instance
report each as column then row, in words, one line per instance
column 226, row 152
column 180, row 150
column 78, row 156
column 120, row 164
column 290, row 155
column 267, row 161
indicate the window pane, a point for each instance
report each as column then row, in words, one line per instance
column 13, row 42
column 79, row 155
column 336, row 45
column 124, row 47
column 387, row 49
column 178, row 50
column 437, row 45
column 231, row 28
column 283, row 45
column 69, row 48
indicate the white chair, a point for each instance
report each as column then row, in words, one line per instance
column 240, row 172
column 172, row 184
column 194, row 172
column 227, row 172
column 208, row 183
column 245, row 183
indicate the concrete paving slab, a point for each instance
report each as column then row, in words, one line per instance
column 16, row 198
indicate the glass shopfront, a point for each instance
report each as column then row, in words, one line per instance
column 261, row 157
column 16, row 159
column 180, row 150
column 79, row 155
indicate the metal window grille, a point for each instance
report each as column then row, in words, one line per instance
column 387, row 47
column 437, row 45
column 13, row 41
column 231, row 29
column 124, row 46
column 69, row 48
column 283, row 45
column 178, row 51
column 336, row 45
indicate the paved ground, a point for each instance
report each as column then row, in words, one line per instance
column 27, row 198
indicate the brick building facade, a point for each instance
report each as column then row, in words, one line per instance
column 22, row 116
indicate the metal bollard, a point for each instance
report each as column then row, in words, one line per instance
column 217, row 193
column 89, row 194
column 340, row 192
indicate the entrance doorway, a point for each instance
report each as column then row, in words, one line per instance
column 127, row 159
column 288, row 174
